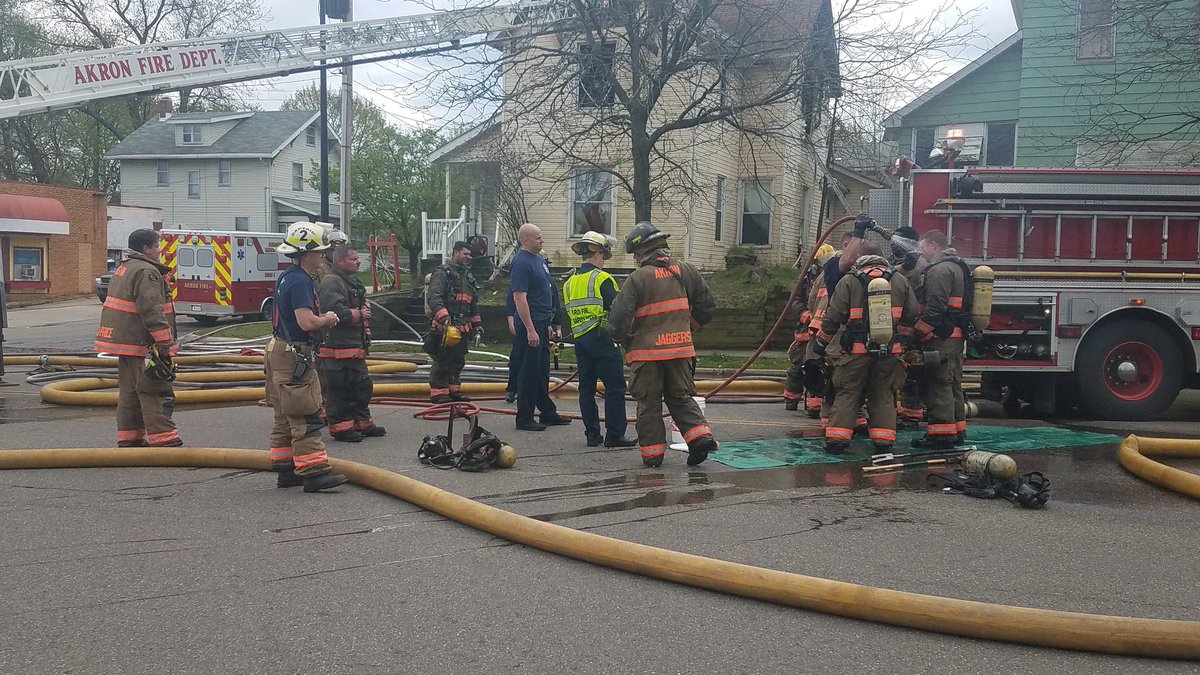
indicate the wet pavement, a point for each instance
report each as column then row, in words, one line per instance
column 207, row 570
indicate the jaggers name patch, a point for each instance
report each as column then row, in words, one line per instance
column 682, row 337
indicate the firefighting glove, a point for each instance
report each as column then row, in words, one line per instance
column 819, row 348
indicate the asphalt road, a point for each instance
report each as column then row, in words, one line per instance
column 62, row 327
column 203, row 570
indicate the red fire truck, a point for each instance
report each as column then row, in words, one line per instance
column 223, row 274
column 1097, row 295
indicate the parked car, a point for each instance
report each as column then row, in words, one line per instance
column 101, row 283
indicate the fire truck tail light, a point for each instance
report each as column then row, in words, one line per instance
column 1137, row 302
column 1196, row 333
column 1070, row 331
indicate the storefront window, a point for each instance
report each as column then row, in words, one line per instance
column 28, row 264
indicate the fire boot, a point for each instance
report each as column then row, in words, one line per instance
column 287, row 478
column 352, row 436
column 791, row 404
column 132, row 444
column 323, row 481
column 374, row 431
column 459, row 396
column 698, row 449
column 836, row 447
column 934, row 443
column 438, row 400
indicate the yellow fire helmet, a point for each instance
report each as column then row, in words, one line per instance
column 824, row 253
column 451, row 337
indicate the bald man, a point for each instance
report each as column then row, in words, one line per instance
column 537, row 321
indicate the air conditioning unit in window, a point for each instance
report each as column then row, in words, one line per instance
column 29, row 272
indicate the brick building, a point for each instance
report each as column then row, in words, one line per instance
column 52, row 239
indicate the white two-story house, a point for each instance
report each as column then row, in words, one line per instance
column 226, row 170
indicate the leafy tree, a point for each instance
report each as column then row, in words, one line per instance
column 369, row 120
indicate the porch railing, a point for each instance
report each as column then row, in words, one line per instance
column 439, row 234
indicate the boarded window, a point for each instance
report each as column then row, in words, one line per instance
column 1096, row 34
column 1001, row 143
column 591, row 202
column 756, row 212
column 596, row 72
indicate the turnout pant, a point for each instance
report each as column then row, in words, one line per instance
column 533, row 379
column 348, row 389
column 857, row 376
column 144, row 405
column 654, row 382
column 296, row 434
column 947, row 405
column 445, row 373
column 912, row 395
column 599, row 358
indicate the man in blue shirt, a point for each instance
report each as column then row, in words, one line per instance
column 297, row 452
column 538, row 320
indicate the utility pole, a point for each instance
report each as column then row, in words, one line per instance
column 324, row 126
column 347, row 130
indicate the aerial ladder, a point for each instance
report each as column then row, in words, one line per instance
column 43, row 84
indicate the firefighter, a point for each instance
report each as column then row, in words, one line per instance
column 653, row 316
column 942, row 327
column 343, row 351
column 912, row 264
column 137, row 325
column 588, row 295
column 878, row 309
column 336, row 239
column 453, row 298
column 820, row 369
column 297, row 452
column 810, row 293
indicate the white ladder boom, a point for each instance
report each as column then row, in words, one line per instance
column 62, row 81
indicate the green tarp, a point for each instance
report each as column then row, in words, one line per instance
column 796, row 451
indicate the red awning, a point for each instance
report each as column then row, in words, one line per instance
column 32, row 215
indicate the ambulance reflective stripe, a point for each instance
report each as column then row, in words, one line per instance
column 221, row 270
column 169, row 248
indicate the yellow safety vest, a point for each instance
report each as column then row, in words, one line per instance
column 585, row 306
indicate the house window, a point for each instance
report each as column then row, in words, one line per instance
column 241, row 223
column 922, row 145
column 1096, row 30
column 591, row 202
column 27, row 264
column 310, row 135
column 596, row 66
column 1001, row 143
column 756, row 212
column 224, row 173
column 720, row 208
column 191, row 134
column 193, row 185
column 164, row 174
column 297, row 176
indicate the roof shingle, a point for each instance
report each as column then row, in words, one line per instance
column 260, row 134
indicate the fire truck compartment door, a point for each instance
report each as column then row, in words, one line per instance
column 1081, row 311
column 1189, row 312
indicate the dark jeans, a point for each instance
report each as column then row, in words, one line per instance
column 514, row 365
column 533, row 388
column 598, row 357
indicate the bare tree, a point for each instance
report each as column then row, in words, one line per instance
column 1126, row 82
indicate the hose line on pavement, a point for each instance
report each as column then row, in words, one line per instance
column 1159, row 638
column 1132, row 455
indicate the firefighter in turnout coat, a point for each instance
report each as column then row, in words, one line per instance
column 343, row 352
column 137, row 325
column 942, row 327
column 812, row 292
column 453, row 298
column 870, row 365
column 911, row 264
column 653, row 317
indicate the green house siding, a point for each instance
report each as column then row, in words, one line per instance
column 1147, row 91
column 990, row 94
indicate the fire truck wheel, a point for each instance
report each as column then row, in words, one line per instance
column 206, row 320
column 268, row 311
column 1128, row 370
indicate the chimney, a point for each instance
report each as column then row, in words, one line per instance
column 164, row 108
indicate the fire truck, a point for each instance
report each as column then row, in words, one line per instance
column 1097, row 293
column 223, row 274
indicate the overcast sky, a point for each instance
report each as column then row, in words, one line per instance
column 385, row 83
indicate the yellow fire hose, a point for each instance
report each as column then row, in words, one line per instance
column 1067, row 630
column 1132, row 458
